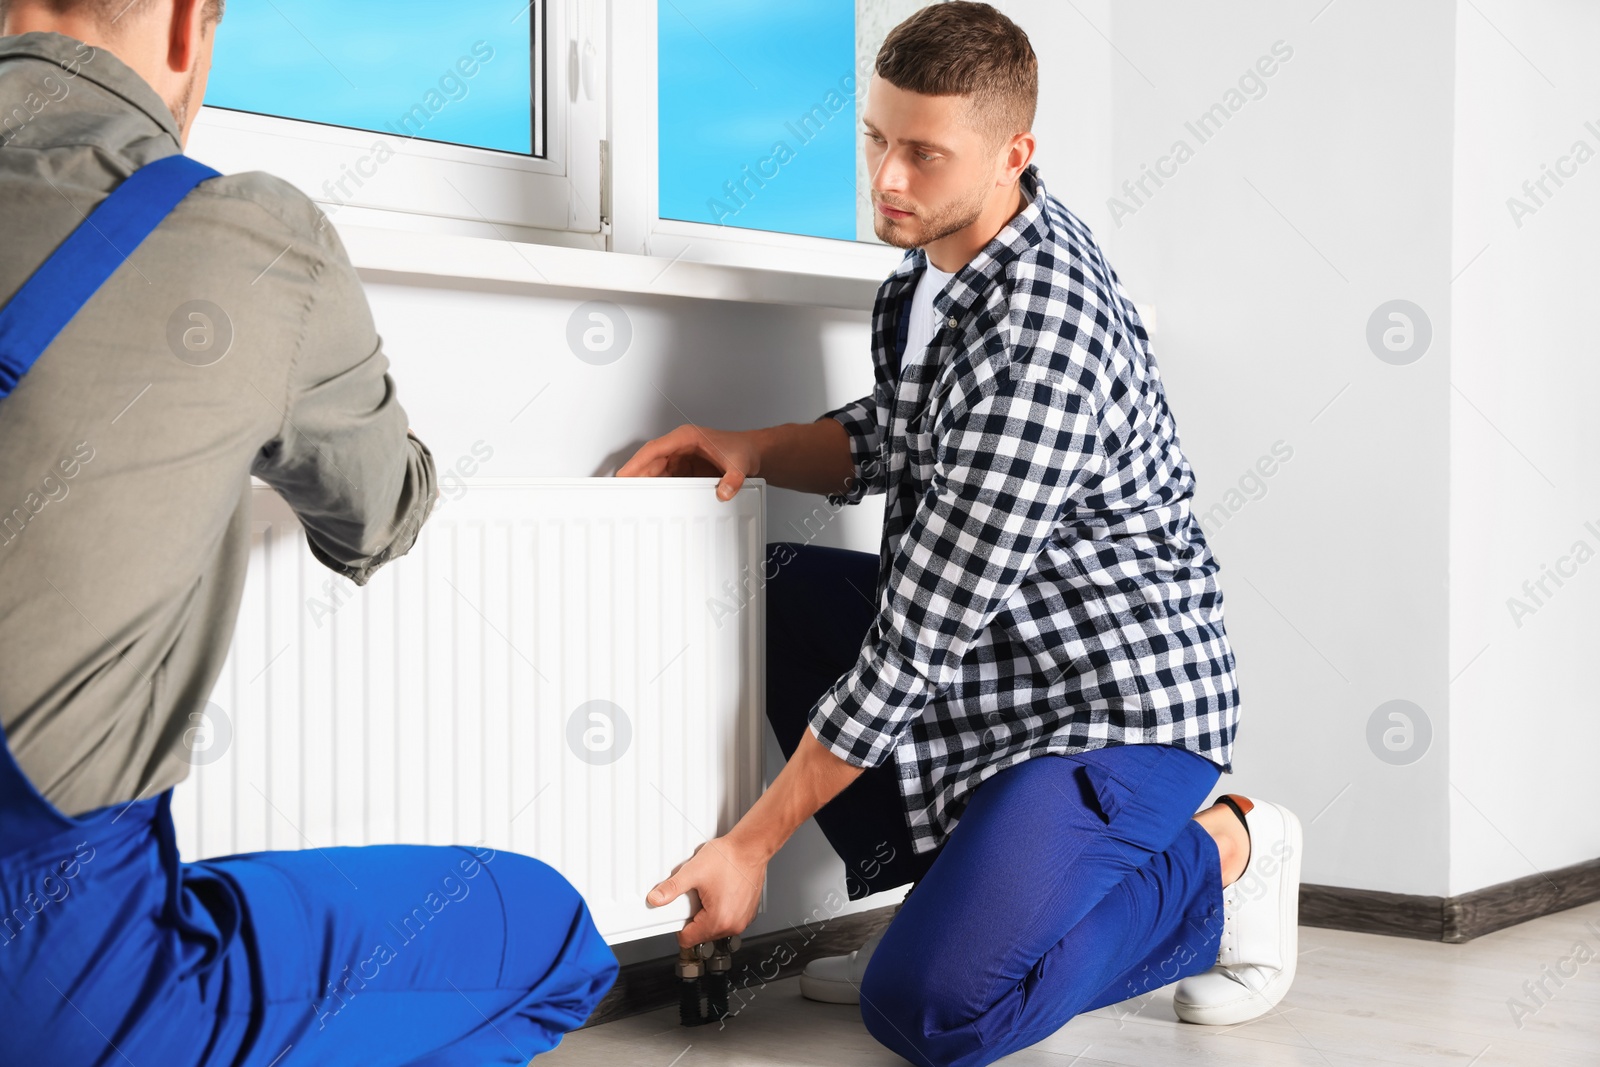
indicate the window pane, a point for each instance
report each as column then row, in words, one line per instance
column 759, row 112
column 460, row 73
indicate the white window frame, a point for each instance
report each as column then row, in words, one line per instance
column 637, row 225
column 458, row 212
column 431, row 187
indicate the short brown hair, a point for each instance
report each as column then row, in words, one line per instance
column 960, row 48
column 109, row 12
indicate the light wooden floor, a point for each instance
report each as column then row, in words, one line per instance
column 1356, row 999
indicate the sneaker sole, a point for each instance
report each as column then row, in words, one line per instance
column 827, row 991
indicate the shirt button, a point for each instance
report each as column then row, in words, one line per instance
column 951, row 322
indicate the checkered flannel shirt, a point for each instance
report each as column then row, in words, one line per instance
column 1043, row 585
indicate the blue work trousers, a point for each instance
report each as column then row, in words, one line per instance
column 114, row 952
column 1070, row 882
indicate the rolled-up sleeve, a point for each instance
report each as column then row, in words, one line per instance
column 864, row 421
column 1004, row 475
column 344, row 459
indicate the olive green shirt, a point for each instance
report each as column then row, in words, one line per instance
column 235, row 340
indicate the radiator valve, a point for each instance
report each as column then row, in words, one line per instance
column 719, row 975
column 694, row 1000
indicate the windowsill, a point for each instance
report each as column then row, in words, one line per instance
column 382, row 254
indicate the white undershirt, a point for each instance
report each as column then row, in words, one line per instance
column 922, row 327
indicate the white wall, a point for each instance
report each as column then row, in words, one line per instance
column 1379, row 561
column 1074, row 120
column 1265, row 254
column 1525, row 718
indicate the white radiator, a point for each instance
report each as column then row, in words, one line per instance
column 568, row 668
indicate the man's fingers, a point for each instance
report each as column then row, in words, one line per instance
column 702, row 926
column 638, row 464
column 665, row 893
column 669, row 454
column 694, row 452
column 729, row 486
column 697, row 931
column 674, row 886
column 654, row 458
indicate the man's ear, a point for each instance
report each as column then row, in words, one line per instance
column 1020, row 155
column 184, row 35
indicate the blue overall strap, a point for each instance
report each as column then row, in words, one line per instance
column 75, row 271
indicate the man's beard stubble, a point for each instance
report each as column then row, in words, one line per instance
column 180, row 109
column 956, row 216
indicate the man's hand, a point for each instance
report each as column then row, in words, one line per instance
column 728, row 879
column 728, row 872
column 698, row 452
column 808, row 457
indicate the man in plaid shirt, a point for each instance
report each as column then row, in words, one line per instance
column 1043, row 590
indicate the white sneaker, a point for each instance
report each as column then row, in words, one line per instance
column 1260, row 925
column 837, row 979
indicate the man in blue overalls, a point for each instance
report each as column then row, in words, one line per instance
column 164, row 334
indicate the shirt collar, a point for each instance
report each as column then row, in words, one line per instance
column 97, row 65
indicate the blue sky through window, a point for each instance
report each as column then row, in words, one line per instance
column 459, row 73
column 758, row 114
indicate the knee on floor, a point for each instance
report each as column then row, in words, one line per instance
column 546, row 918
column 915, row 1007
column 531, row 885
